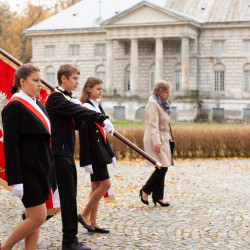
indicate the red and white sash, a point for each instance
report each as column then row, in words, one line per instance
column 29, row 103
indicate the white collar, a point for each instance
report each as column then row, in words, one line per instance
column 96, row 104
column 62, row 89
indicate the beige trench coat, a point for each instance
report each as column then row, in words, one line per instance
column 157, row 132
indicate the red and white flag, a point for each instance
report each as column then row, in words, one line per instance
column 7, row 71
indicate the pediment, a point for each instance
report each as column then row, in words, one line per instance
column 144, row 13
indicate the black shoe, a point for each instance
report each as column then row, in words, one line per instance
column 89, row 228
column 101, row 230
column 161, row 203
column 75, row 246
column 145, row 202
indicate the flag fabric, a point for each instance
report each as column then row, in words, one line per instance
column 109, row 195
column 7, row 72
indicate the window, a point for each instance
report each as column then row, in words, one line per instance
column 219, row 46
column 100, row 73
column 219, row 80
column 152, row 79
column 127, row 48
column 49, row 51
column 178, row 46
column 178, row 80
column 127, row 80
column 74, row 50
column 218, row 114
column 102, row 76
column 247, row 80
column 100, row 49
column 247, row 45
column 50, row 77
column 151, row 48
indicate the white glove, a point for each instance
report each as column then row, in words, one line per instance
column 89, row 169
column 114, row 161
column 76, row 101
column 17, row 190
column 108, row 126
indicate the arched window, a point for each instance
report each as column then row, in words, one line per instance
column 101, row 73
column 219, row 77
column 127, row 79
column 247, row 77
column 50, row 75
column 151, row 77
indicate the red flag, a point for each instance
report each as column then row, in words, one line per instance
column 7, row 71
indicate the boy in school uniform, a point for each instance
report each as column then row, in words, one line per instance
column 65, row 115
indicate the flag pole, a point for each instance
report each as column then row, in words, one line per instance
column 116, row 134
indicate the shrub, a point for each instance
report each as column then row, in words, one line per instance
column 193, row 141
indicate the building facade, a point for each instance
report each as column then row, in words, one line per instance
column 201, row 47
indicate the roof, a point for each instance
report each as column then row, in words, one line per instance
column 213, row 10
column 89, row 14
column 86, row 14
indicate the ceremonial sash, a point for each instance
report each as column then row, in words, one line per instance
column 33, row 110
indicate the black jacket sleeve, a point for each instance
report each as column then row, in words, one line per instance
column 59, row 105
column 11, row 137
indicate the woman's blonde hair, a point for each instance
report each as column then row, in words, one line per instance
column 90, row 82
column 160, row 86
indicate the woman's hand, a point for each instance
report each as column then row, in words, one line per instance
column 157, row 149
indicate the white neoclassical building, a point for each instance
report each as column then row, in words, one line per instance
column 202, row 47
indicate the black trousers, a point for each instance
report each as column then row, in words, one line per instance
column 155, row 184
column 67, row 185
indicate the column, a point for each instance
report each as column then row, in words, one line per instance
column 109, row 67
column 184, row 63
column 134, row 66
column 158, row 59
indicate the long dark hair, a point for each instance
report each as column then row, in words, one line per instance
column 23, row 72
column 90, row 82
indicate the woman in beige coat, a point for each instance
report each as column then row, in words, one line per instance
column 156, row 141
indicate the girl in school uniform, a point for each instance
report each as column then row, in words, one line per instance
column 28, row 156
column 95, row 154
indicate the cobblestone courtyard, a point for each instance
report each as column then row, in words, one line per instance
column 209, row 209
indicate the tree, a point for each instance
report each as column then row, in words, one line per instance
column 12, row 26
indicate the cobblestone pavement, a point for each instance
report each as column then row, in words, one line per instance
column 209, row 209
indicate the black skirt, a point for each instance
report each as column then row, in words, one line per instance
column 34, row 190
column 100, row 173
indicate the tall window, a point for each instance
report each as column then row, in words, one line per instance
column 247, row 80
column 219, row 80
column 151, row 47
column 177, row 80
column 219, row 46
column 74, row 50
column 50, row 77
column 127, row 48
column 247, row 45
column 100, row 49
column 100, row 73
column 49, row 50
column 152, row 79
column 127, row 79
column 177, row 46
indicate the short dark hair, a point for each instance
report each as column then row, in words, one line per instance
column 66, row 70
